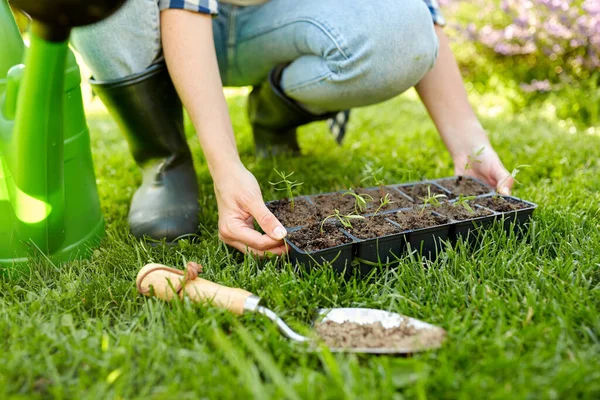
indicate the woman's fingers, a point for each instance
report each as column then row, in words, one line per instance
column 277, row 251
column 503, row 179
column 266, row 220
column 239, row 231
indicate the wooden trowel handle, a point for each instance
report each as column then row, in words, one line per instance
column 168, row 282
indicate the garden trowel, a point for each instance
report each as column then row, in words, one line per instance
column 167, row 283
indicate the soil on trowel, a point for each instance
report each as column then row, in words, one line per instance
column 501, row 204
column 458, row 212
column 418, row 192
column 372, row 227
column 348, row 335
column 465, row 186
column 303, row 213
column 327, row 203
column 311, row 238
column 417, row 219
column 397, row 200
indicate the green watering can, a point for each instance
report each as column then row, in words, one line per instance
column 48, row 195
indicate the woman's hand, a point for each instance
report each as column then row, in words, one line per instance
column 484, row 164
column 240, row 203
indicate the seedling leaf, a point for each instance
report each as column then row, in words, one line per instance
column 285, row 184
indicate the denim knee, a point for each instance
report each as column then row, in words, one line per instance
column 126, row 43
column 404, row 46
column 390, row 48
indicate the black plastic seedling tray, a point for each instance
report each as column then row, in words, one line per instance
column 441, row 183
column 383, row 250
column 363, row 255
column 407, row 190
column 465, row 229
column 339, row 257
column 427, row 242
column 514, row 220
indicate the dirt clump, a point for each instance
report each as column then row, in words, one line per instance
column 397, row 200
column 368, row 336
column 465, row 186
column 417, row 219
column 325, row 204
column 311, row 238
column 373, row 227
column 418, row 192
column 460, row 213
column 501, row 204
column 303, row 213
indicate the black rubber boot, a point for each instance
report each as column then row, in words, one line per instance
column 149, row 112
column 274, row 118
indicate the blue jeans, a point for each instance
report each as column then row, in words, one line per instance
column 341, row 54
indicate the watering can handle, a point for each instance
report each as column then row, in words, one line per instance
column 166, row 283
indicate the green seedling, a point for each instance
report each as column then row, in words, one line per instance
column 373, row 175
column 464, row 202
column 433, row 199
column 513, row 174
column 473, row 158
column 345, row 220
column 383, row 202
column 285, row 184
column 360, row 200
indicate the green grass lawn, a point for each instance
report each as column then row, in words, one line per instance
column 522, row 315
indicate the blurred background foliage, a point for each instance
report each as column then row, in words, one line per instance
column 542, row 53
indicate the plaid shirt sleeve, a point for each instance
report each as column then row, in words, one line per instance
column 201, row 6
column 436, row 14
column 212, row 7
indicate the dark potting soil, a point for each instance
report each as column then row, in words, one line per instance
column 418, row 192
column 417, row 219
column 397, row 200
column 465, row 186
column 501, row 204
column 303, row 213
column 375, row 335
column 311, row 238
column 373, row 227
column 326, row 204
column 458, row 212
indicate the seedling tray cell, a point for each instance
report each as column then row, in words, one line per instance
column 304, row 213
column 418, row 190
column 383, row 250
column 428, row 241
column 400, row 200
column 465, row 223
column 512, row 219
column 339, row 257
column 327, row 202
column 477, row 188
column 467, row 229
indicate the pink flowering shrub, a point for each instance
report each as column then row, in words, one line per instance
column 550, row 48
column 557, row 40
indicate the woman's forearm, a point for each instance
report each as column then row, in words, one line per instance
column 196, row 77
column 443, row 93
